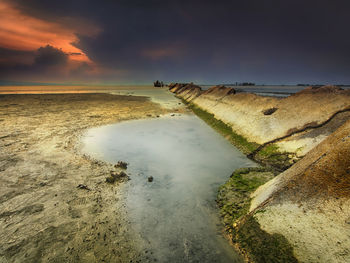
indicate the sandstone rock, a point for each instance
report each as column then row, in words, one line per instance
column 177, row 86
column 299, row 113
column 310, row 201
column 187, row 91
column 320, row 89
column 219, row 91
column 171, row 85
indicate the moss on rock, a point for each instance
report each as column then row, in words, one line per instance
column 234, row 202
column 234, row 196
column 268, row 155
column 260, row 246
column 239, row 141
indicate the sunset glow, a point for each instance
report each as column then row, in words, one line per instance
column 210, row 42
column 23, row 32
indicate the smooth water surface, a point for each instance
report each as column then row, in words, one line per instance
column 175, row 216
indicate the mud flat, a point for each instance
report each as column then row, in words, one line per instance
column 302, row 214
column 55, row 205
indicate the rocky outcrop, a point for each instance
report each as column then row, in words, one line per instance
column 174, row 87
column 321, row 89
column 188, row 91
column 289, row 123
column 218, row 92
column 310, row 202
column 303, row 214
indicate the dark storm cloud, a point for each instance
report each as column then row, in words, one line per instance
column 207, row 41
column 44, row 57
column 49, row 56
column 47, row 62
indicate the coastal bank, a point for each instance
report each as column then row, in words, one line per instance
column 295, row 208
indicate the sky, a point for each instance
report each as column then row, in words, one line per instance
column 207, row 42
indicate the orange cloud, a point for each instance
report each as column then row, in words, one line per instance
column 19, row 31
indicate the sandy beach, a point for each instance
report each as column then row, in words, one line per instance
column 45, row 216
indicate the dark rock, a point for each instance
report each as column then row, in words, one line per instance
column 83, row 186
column 158, row 83
column 117, row 177
column 150, row 179
column 110, row 179
column 269, row 111
column 121, row 164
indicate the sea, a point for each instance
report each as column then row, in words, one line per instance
column 262, row 90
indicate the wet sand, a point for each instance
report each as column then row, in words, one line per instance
column 44, row 216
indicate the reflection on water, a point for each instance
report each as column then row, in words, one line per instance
column 175, row 215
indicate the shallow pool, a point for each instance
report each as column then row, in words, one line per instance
column 175, row 216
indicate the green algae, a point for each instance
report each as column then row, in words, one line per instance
column 234, row 196
column 234, row 202
column 239, row 141
column 261, row 246
column 268, row 155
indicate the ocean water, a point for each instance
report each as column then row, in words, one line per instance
column 175, row 216
column 157, row 94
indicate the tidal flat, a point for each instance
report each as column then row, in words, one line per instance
column 44, row 215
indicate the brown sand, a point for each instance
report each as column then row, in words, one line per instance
column 44, row 217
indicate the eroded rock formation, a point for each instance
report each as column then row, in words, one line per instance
column 303, row 214
column 292, row 122
column 309, row 204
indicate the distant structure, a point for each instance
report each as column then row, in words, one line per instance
column 158, row 84
column 244, row 84
column 240, row 84
column 310, row 85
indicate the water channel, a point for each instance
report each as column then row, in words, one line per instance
column 175, row 216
